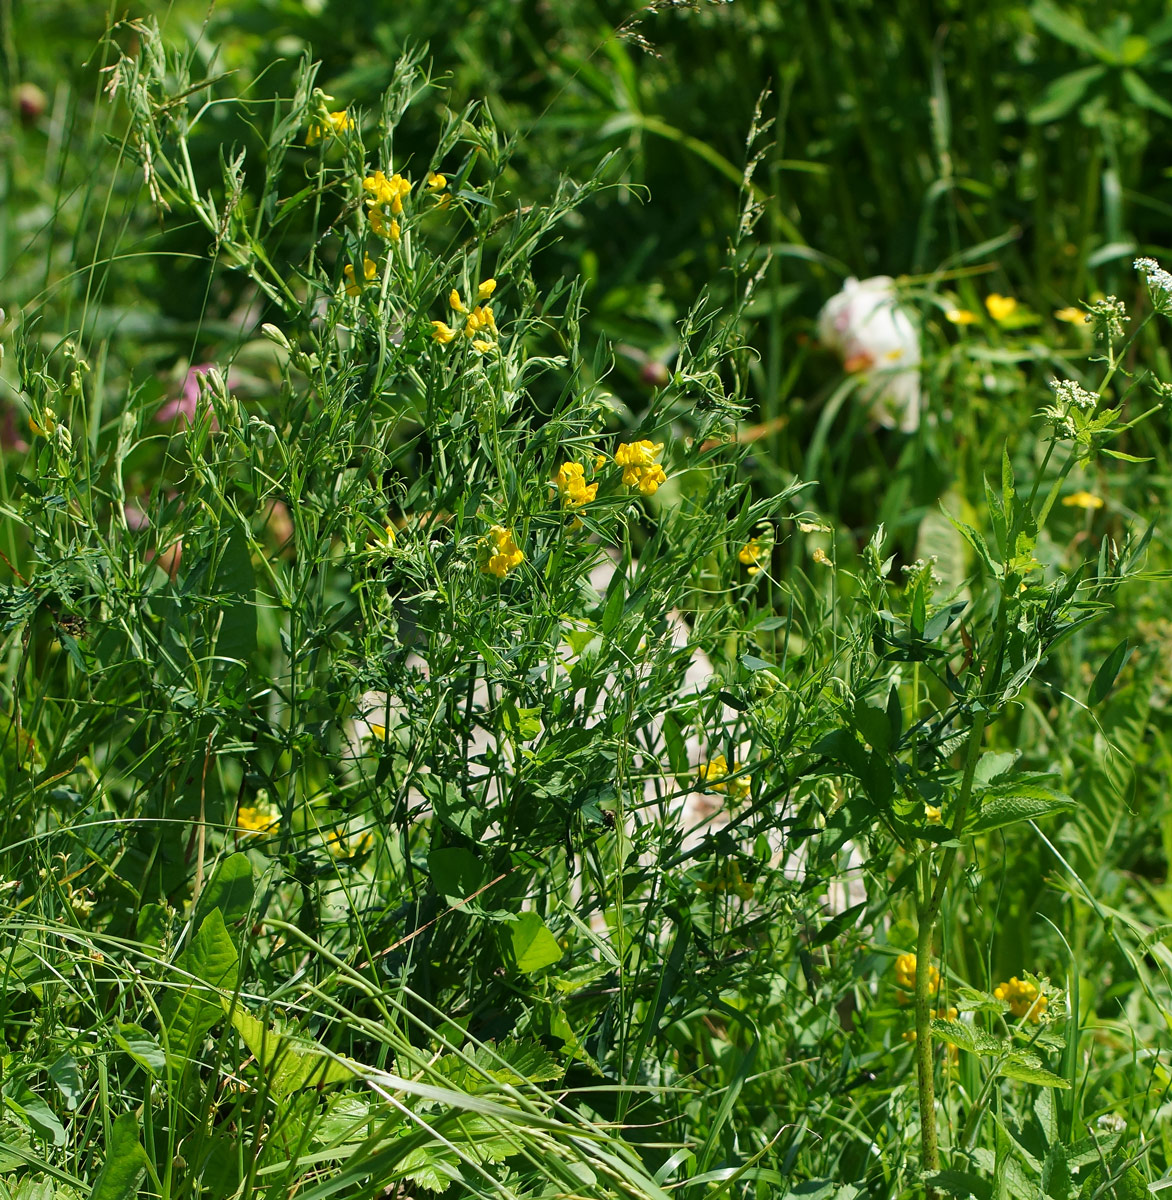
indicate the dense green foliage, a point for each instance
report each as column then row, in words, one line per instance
column 492, row 703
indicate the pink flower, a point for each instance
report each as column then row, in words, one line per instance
column 185, row 406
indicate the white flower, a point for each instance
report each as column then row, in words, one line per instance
column 866, row 327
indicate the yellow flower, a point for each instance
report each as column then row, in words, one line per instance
column 905, row 974
column 384, row 228
column 639, row 466
column 932, row 814
column 455, row 303
column 336, row 124
column 572, row 486
column 44, row 426
column 369, row 271
column 750, row 553
column 442, row 332
column 482, row 345
column 486, row 289
column 1087, row 500
column 1000, row 307
column 436, row 183
column 820, row 556
column 479, row 318
column 714, row 777
column 499, row 552
column 961, row 316
column 728, row 879
column 386, row 191
column 599, row 461
column 1072, row 316
column 1023, row 998
column 256, row 818
column 341, row 846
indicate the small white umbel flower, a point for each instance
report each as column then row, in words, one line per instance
column 866, row 327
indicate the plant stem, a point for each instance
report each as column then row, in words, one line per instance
column 929, row 1146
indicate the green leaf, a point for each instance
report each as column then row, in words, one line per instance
column 1106, row 675
column 126, row 1162
column 1131, row 458
column 1024, row 1068
column 960, row 1183
column 39, row 1115
column 1008, row 810
column 67, row 1079
column 967, row 1037
column 1068, row 29
column 142, row 1047
column 1062, row 94
column 455, row 872
column 534, row 946
column 1144, row 96
column 192, row 1007
column 289, row 1064
column 230, row 890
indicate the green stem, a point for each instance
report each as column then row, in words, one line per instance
column 925, row 1081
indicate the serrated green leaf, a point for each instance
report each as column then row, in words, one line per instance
column 1023, row 1067
column 289, row 1064
column 967, row 1037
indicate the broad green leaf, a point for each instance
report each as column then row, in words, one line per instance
column 192, row 1006
column 534, row 946
column 67, row 1079
column 38, row 1114
column 1008, row 810
column 142, row 1047
column 455, row 872
column 230, row 890
column 126, row 1162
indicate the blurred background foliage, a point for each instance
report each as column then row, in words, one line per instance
column 971, row 147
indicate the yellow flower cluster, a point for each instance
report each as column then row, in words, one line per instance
column 500, row 553
column 384, row 191
column 479, row 323
column 1023, row 998
column 905, row 974
column 572, row 486
column 750, row 554
column 336, row 123
column 728, row 879
column 256, row 818
column 369, row 271
column 714, row 777
column 639, row 466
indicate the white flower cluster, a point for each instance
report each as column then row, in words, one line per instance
column 1073, row 395
column 1159, row 284
column 865, row 325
